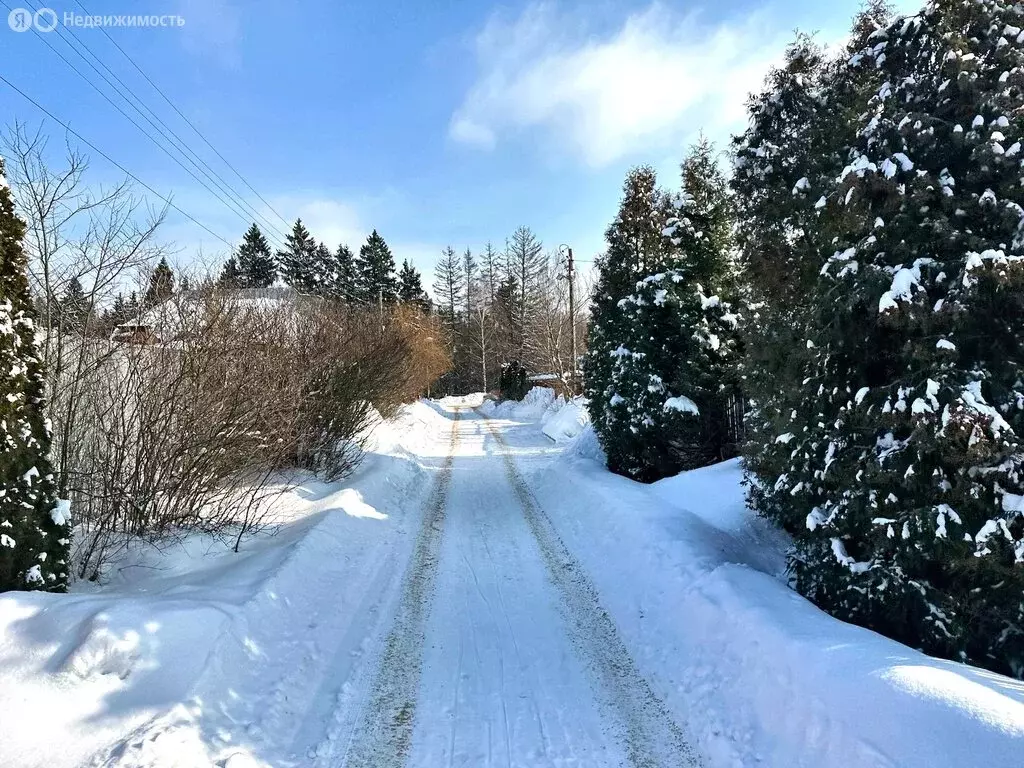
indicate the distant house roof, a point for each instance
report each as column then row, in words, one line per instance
column 170, row 319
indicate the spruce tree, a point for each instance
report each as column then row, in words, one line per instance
column 470, row 272
column 161, row 285
column 346, row 277
column 325, row 272
column 296, row 262
column 410, row 287
column 908, row 465
column 74, row 307
column 636, row 248
column 527, row 265
column 490, row 271
column 34, row 525
column 230, row 274
column 255, row 261
column 376, row 270
column 449, row 293
column 674, row 371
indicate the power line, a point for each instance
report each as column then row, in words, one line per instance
column 187, row 121
column 231, row 204
column 182, row 146
column 130, row 119
column 109, row 159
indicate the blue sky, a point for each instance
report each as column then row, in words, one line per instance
column 433, row 121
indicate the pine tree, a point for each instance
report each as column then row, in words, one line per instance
column 674, row 370
column 255, row 261
column 34, row 525
column 410, row 287
column 909, row 467
column 161, row 285
column 296, row 261
column 636, row 249
column 230, row 274
column 376, row 269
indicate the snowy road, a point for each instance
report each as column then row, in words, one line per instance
column 500, row 654
column 431, row 619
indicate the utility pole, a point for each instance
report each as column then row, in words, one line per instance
column 571, row 269
column 570, row 275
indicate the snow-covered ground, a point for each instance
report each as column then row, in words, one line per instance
column 482, row 592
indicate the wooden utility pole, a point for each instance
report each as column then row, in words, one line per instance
column 571, row 276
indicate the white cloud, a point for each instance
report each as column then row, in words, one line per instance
column 655, row 80
column 329, row 220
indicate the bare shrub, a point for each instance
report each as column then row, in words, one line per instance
column 194, row 413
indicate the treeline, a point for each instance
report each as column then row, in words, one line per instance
column 312, row 269
column 506, row 312
column 183, row 405
column 858, row 283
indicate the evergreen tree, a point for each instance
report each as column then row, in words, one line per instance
column 449, row 292
column 504, row 309
column 449, row 286
column 908, row 465
column 490, row 268
column 785, row 162
column 514, row 382
column 325, row 272
column 527, row 264
column 230, row 274
column 376, row 269
column 34, row 526
column 636, row 249
column 161, row 285
column 345, row 274
column 469, row 267
column 296, row 262
column 74, row 307
column 255, row 261
column 410, row 287
column 674, row 370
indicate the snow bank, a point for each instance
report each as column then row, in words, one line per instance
column 759, row 675
column 586, row 445
column 530, row 408
column 567, row 421
column 562, row 420
column 716, row 495
column 165, row 663
column 463, row 401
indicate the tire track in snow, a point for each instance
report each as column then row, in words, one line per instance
column 650, row 737
column 383, row 736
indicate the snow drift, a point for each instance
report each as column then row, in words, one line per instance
column 561, row 419
column 159, row 665
column 760, row 675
